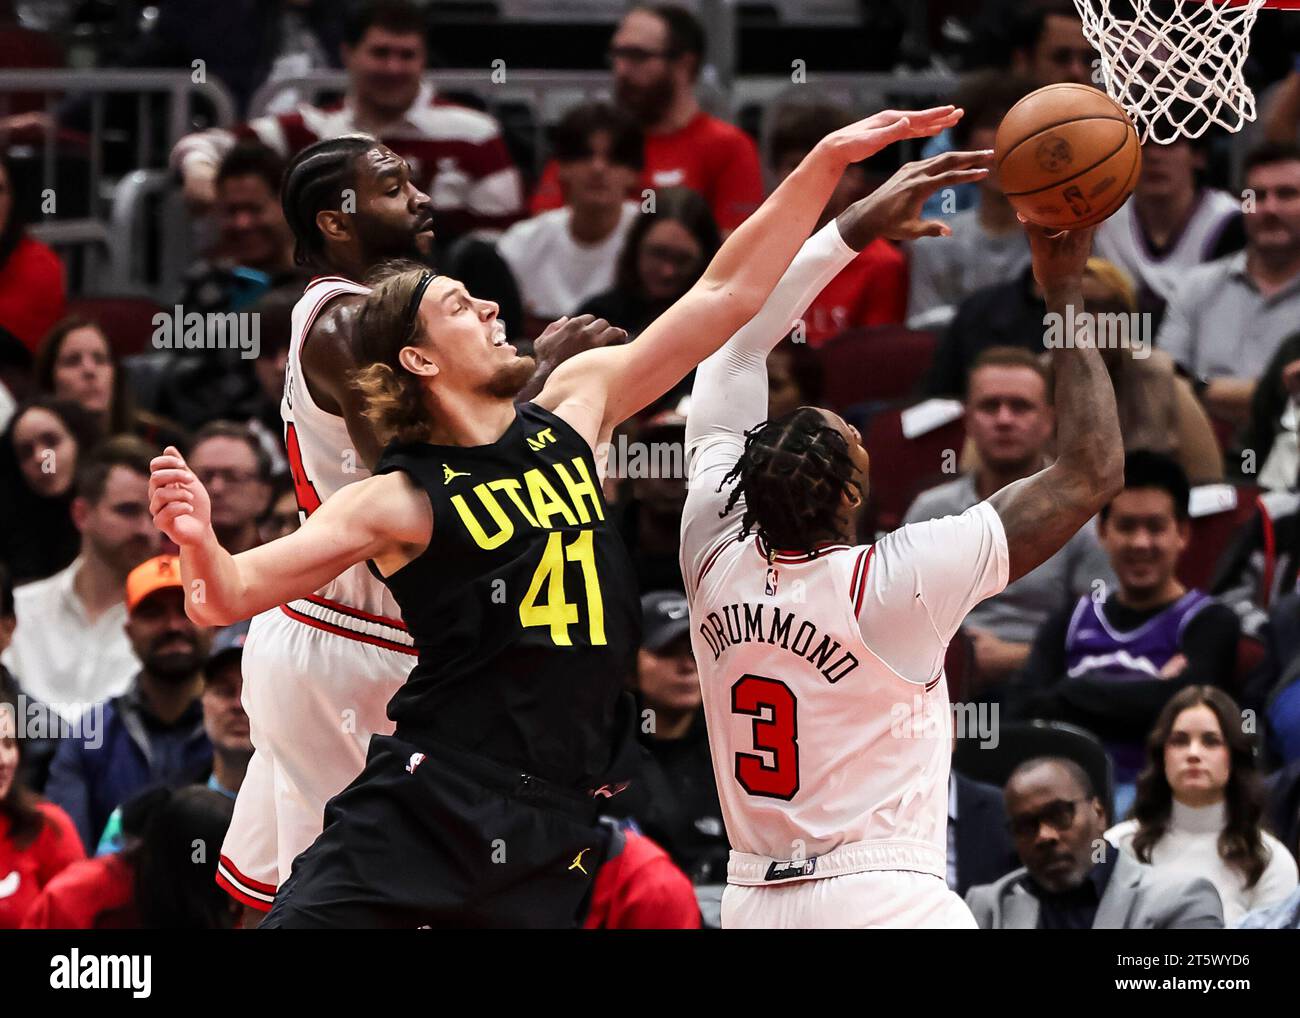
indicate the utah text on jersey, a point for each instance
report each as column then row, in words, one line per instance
column 492, row 509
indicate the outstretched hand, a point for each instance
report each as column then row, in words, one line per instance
column 893, row 210
column 864, row 139
column 178, row 501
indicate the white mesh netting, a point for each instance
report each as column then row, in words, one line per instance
column 1175, row 65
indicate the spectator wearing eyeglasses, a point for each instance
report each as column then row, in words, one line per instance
column 656, row 55
column 1073, row 879
column 153, row 733
column 69, row 646
column 1200, row 804
column 665, row 252
column 231, row 463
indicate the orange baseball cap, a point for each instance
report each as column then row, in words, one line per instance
column 152, row 575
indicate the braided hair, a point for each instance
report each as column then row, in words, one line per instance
column 315, row 181
column 792, row 475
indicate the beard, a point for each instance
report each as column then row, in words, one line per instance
column 511, row 378
column 381, row 241
column 646, row 103
column 172, row 665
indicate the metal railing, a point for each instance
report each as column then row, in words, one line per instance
column 123, row 247
column 156, row 109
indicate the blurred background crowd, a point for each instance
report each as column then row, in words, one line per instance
column 1144, row 683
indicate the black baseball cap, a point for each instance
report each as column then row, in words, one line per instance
column 665, row 616
column 228, row 640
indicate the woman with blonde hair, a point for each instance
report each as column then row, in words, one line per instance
column 1158, row 410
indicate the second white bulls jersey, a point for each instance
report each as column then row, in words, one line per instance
column 321, row 457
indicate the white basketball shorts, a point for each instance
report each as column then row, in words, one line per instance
column 875, row 899
column 317, row 680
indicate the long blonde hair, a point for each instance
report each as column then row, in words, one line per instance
column 393, row 397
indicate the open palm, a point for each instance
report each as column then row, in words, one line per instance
column 865, row 138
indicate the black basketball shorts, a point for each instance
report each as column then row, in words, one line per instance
column 442, row 838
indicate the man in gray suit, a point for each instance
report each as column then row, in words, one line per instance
column 1072, row 878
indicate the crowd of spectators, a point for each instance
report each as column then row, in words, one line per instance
column 1173, row 643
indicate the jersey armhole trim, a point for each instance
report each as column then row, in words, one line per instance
column 332, row 293
column 858, row 585
column 709, row 560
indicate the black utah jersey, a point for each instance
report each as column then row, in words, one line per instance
column 523, row 608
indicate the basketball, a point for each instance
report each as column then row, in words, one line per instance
column 1068, row 156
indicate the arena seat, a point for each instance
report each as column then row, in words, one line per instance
column 1250, row 655
column 901, row 467
column 126, row 321
column 1023, row 740
column 880, row 363
column 23, row 48
column 1210, row 536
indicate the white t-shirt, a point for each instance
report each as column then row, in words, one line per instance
column 555, row 273
column 59, row 655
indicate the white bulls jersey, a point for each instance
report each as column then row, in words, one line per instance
column 318, row 671
column 822, row 681
column 321, row 457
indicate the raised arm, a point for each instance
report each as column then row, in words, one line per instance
column 384, row 518
column 608, row 386
column 730, row 392
column 1041, row 512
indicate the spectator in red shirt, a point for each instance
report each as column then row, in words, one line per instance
column 872, row 289
column 456, row 154
column 155, row 882
column 656, row 54
column 32, row 296
column 639, row 888
column 37, row 839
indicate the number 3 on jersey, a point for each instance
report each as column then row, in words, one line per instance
column 773, row 706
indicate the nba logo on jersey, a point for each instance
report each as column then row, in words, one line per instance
column 414, row 762
column 770, row 587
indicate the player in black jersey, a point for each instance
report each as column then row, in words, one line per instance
column 488, row 524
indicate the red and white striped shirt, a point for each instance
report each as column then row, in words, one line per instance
column 457, row 155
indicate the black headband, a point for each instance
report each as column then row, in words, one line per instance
column 413, row 309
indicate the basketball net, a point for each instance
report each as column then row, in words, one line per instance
column 1175, row 65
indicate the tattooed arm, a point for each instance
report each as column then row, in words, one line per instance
column 1041, row 512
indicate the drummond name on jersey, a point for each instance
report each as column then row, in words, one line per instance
column 744, row 622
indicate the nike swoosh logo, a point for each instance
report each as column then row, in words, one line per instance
column 9, row 885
